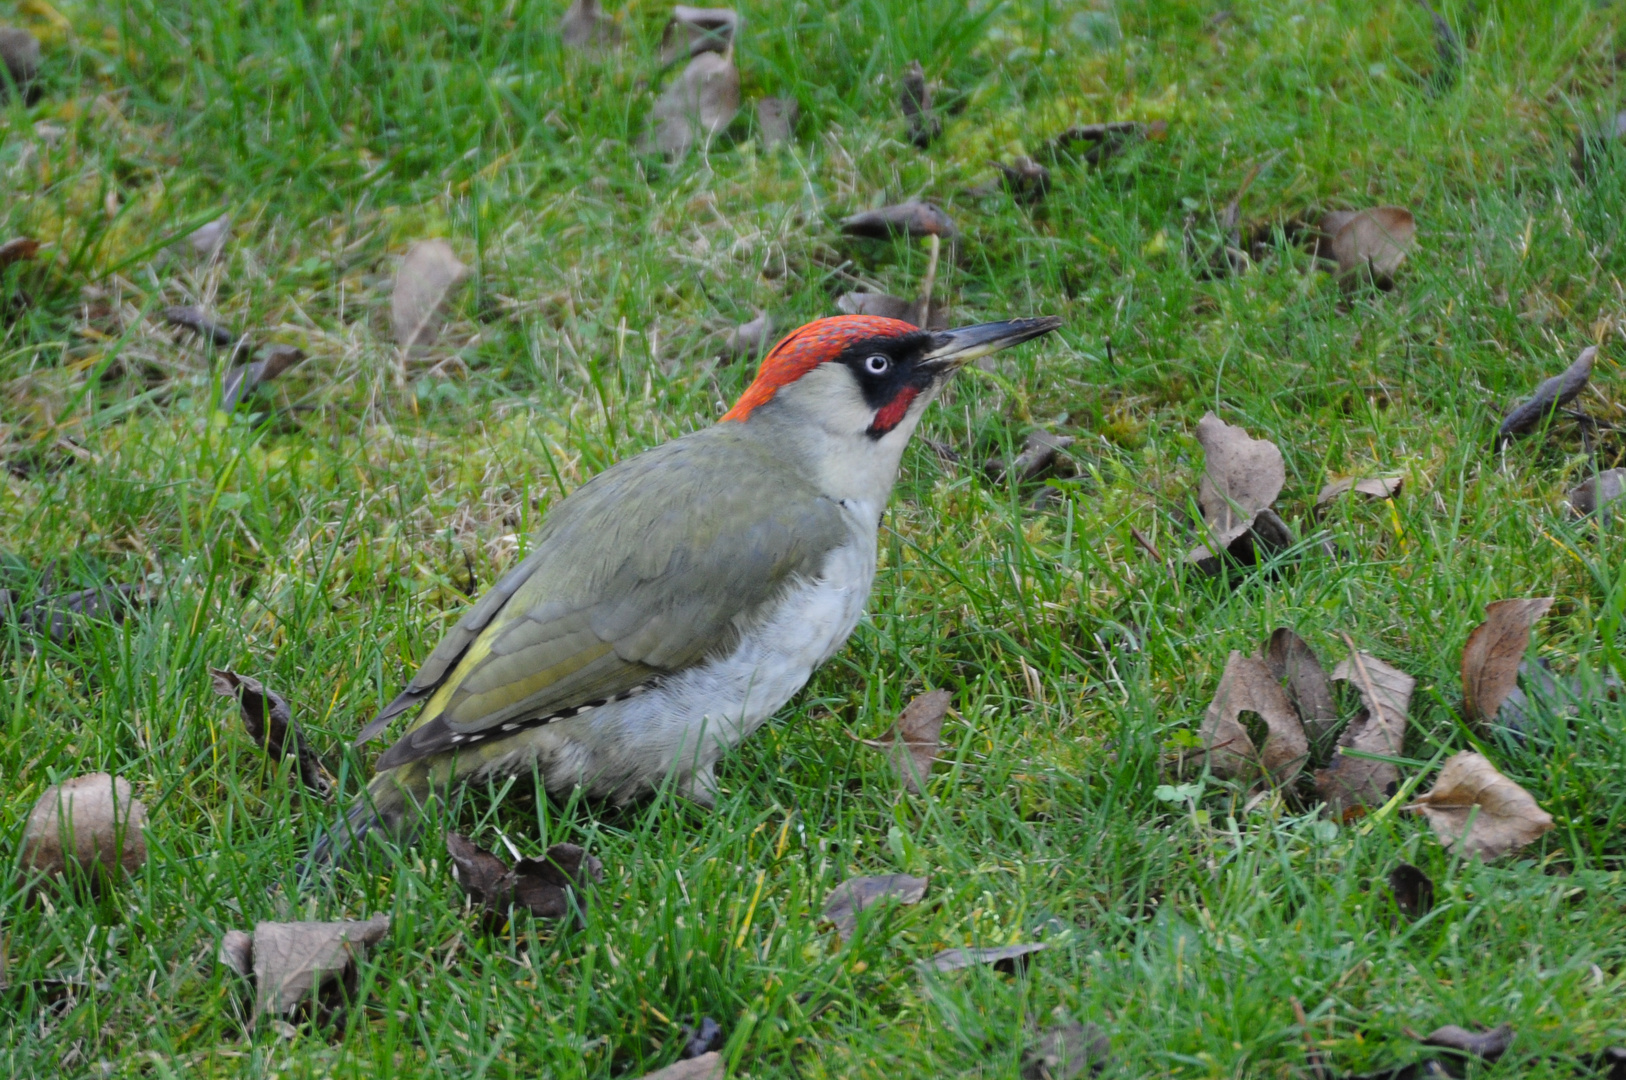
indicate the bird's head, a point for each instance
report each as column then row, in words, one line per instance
column 867, row 377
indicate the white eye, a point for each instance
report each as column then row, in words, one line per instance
column 878, row 364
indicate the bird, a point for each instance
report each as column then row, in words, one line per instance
column 673, row 603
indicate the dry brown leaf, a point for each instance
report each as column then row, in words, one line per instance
column 1295, row 665
column 89, row 825
column 1412, row 889
column 1495, row 648
column 545, row 887
column 915, row 99
column 207, row 241
column 20, row 52
column 429, row 275
column 1489, row 1045
column 1373, row 487
column 1249, row 686
column 1374, row 241
column 1597, row 492
column 1551, row 395
column 1504, row 816
column 1241, row 477
column 748, row 340
column 271, row 725
column 1026, row 180
column 695, row 30
column 585, row 26
column 856, row 894
column 707, row 1066
column 776, row 120
column 201, row 323
column 61, row 617
column 300, row 960
column 237, row 952
column 912, row 218
column 1103, row 140
column 1039, row 453
column 19, row 249
column 1006, row 958
column 911, row 745
column 1380, row 729
column 697, row 105
column 241, row 380
column 1067, row 1051
column 887, row 306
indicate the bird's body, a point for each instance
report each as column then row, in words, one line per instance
column 673, row 603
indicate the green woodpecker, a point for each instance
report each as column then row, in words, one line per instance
column 674, row 602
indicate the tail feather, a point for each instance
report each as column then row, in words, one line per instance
column 390, row 807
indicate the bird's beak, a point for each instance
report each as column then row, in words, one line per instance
column 953, row 349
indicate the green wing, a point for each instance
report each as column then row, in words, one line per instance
column 646, row 569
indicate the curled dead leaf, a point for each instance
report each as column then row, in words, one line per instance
column 1350, row 781
column 695, row 30
column 1368, row 242
column 1478, row 812
column 546, row 887
column 207, row 241
column 912, row 743
column 776, row 120
column 1241, row 477
column 586, row 26
column 749, row 339
column 911, row 218
column 299, row 961
column 1597, row 492
column 1067, row 1051
column 1552, row 395
column 270, row 723
column 1373, row 487
column 1248, row 685
column 19, row 249
column 1489, row 1045
column 200, row 323
column 1493, row 653
column 91, row 825
column 707, row 1066
column 1295, row 666
column 1026, row 180
column 854, row 895
column 1039, row 453
column 241, row 381
column 915, row 99
column 697, row 105
column 430, row 273
column 1006, row 958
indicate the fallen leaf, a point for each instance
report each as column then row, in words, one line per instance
column 1241, row 477
column 1373, row 487
column 585, row 26
column 1380, row 728
column 207, row 241
column 887, row 306
column 200, row 323
column 20, row 52
column 61, row 617
column 915, row 99
column 1597, row 492
column 911, row 218
column 857, row 894
column 19, row 249
column 1295, row 665
column 430, row 273
column 271, row 725
column 296, row 961
column 542, row 886
column 702, row 1039
column 749, row 339
column 1104, row 140
column 90, row 825
column 1495, row 648
column 1488, row 1045
column 1504, row 816
column 1249, row 686
column 705, row 1067
column 241, row 380
column 237, row 952
column 698, row 104
column 776, row 120
column 1412, row 889
column 1374, row 241
column 1550, row 396
column 1026, row 180
column 911, row 745
column 1039, row 452
column 1067, row 1051
column 693, row 30
column 1006, row 958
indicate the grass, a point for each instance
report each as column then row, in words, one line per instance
column 324, row 536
